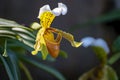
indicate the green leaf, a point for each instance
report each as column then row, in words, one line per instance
column 22, row 30
column 13, row 44
column 26, row 37
column 114, row 58
column 9, row 23
column 116, row 45
column 7, row 36
column 111, row 74
column 18, row 49
column 18, row 34
column 14, row 64
column 63, row 54
column 6, row 32
column 27, row 43
column 42, row 66
column 25, row 70
column 7, row 67
column 11, row 29
column 15, row 30
column 100, row 73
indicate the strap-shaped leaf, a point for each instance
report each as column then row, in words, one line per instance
column 6, row 32
column 21, row 30
column 15, row 31
column 27, row 72
column 26, row 42
column 100, row 73
column 44, row 67
column 20, row 26
column 7, row 36
column 9, row 23
column 7, row 67
column 14, row 65
column 26, row 37
column 10, row 29
column 114, row 58
column 111, row 74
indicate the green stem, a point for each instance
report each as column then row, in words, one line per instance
column 25, row 70
column 5, row 51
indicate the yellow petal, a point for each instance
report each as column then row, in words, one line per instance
column 40, row 33
column 36, row 47
column 46, row 19
column 44, row 51
column 39, row 41
column 34, row 52
column 67, row 36
column 35, row 26
column 76, row 44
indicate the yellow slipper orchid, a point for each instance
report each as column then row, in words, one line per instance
column 46, row 42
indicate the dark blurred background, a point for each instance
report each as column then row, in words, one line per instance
column 79, row 59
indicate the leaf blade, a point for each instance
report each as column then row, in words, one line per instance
column 7, row 67
column 43, row 67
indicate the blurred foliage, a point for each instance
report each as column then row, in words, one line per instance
column 116, row 51
column 100, row 73
column 103, row 71
column 110, row 16
column 116, row 45
column 15, row 41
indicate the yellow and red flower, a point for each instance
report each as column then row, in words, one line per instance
column 46, row 42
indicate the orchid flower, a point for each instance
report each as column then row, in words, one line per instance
column 46, row 42
column 90, row 41
column 99, row 46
